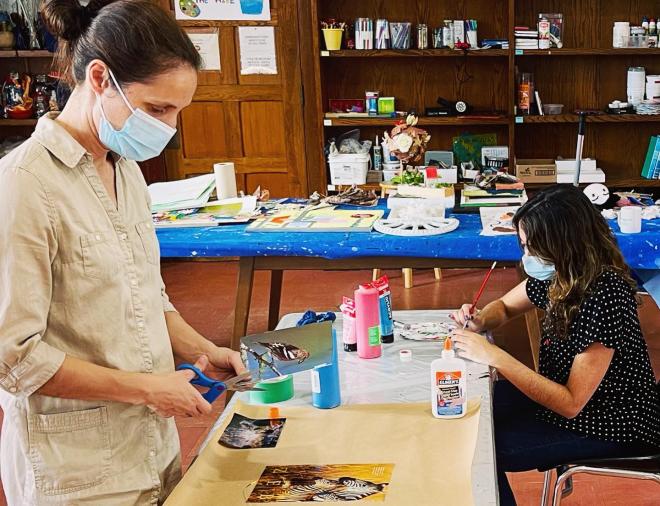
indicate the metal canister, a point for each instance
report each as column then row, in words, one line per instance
column 422, row 36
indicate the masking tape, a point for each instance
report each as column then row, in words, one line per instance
column 274, row 390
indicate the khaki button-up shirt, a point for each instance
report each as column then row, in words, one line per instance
column 79, row 276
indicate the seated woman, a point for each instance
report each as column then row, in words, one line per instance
column 595, row 394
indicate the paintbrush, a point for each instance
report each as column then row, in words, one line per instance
column 478, row 295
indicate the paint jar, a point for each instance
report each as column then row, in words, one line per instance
column 636, row 85
column 630, row 220
column 367, row 322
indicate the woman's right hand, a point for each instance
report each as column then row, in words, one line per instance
column 476, row 324
column 173, row 395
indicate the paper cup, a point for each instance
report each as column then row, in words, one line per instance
column 630, row 220
column 225, row 180
column 332, row 38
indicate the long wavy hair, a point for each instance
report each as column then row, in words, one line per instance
column 563, row 227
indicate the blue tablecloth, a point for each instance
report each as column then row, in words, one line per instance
column 641, row 251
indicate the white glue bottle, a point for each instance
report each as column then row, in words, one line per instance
column 448, row 384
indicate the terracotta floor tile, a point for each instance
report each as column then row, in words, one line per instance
column 204, row 294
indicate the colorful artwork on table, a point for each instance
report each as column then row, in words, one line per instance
column 318, row 220
column 323, row 483
column 287, row 351
column 245, row 10
column 248, row 433
column 498, row 220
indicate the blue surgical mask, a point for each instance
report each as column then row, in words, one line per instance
column 142, row 137
column 537, row 268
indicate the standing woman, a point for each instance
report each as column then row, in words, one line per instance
column 595, row 394
column 87, row 333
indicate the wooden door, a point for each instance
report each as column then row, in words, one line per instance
column 254, row 121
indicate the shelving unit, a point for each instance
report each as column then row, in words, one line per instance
column 586, row 74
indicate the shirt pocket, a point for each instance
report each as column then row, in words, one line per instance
column 69, row 451
column 99, row 256
column 149, row 241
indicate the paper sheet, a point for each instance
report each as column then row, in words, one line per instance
column 257, row 47
column 208, row 47
column 249, row 10
column 432, row 458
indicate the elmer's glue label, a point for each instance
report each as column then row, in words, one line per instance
column 448, row 384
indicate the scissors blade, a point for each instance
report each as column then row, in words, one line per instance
column 243, row 382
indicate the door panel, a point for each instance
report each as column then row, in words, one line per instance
column 254, row 121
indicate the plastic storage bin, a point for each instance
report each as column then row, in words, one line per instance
column 349, row 168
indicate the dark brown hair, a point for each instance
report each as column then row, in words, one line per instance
column 564, row 228
column 137, row 39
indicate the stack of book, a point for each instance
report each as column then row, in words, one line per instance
column 184, row 194
column 500, row 196
column 495, row 43
column 651, row 169
column 526, row 38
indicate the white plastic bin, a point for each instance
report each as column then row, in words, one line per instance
column 349, row 168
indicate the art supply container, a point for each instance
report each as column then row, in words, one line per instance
column 382, row 34
column 278, row 389
column 438, row 41
column 400, row 35
column 386, row 105
column 332, row 37
column 371, row 98
column 225, row 180
column 367, row 322
column 364, row 33
column 382, row 284
column 544, row 33
column 326, row 388
column 448, row 384
column 620, row 34
column 422, row 36
column 525, row 93
column 636, row 85
column 551, row 109
column 348, row 336
column 630, row 220
column 653, row 88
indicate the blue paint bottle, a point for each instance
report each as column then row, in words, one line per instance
column 382, row 284
column 326, row 389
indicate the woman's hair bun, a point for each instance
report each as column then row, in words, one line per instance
column 67, row 19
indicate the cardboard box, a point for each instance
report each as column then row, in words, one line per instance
column 536, row 170
column 434, row 175
column 568, row 165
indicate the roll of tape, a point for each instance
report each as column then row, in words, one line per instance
column 274, row 390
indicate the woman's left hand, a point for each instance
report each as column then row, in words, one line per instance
column 475, row 347
column 224, row 360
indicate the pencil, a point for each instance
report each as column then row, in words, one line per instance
column 478, row 295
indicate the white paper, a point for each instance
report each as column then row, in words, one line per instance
column 208, row 47
column 177, row 191
column 246, row 10
column 257, row 46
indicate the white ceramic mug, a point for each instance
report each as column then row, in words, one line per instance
column 630, row 219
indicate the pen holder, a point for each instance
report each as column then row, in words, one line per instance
column 400, row 35
column 332, row 38
column 326, row 389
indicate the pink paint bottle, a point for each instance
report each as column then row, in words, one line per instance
column 367, row 321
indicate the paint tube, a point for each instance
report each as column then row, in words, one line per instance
column 385, row 299
column 348, row 335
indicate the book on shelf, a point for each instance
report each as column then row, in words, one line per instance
column 651, row 168
column 473, row 196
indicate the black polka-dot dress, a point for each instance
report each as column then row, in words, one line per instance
column 626, row 405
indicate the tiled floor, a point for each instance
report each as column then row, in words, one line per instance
column 204, row 293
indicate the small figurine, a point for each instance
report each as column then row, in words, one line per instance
column 600, row 196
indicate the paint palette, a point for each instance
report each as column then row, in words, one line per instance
column 189, row 8
column 427, row 331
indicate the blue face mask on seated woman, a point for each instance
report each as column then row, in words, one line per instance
column 142, row 137
column 537, row 268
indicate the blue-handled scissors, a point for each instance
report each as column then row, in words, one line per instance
column 241, row 383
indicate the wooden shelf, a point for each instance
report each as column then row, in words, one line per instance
column 633, row 183
column 38, row 53
column 413, row 53
column 598, row 118
column 611, row 51
column 17, row 122
column 423, row 121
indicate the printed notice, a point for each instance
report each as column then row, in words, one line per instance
column 208, row 47
column 257, row 45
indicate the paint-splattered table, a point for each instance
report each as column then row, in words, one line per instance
column 465, row 247
column 388, row 380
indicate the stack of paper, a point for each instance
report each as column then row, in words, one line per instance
column 228, row 211
column 589, row 173
column 526, row 38
column 189, row 193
